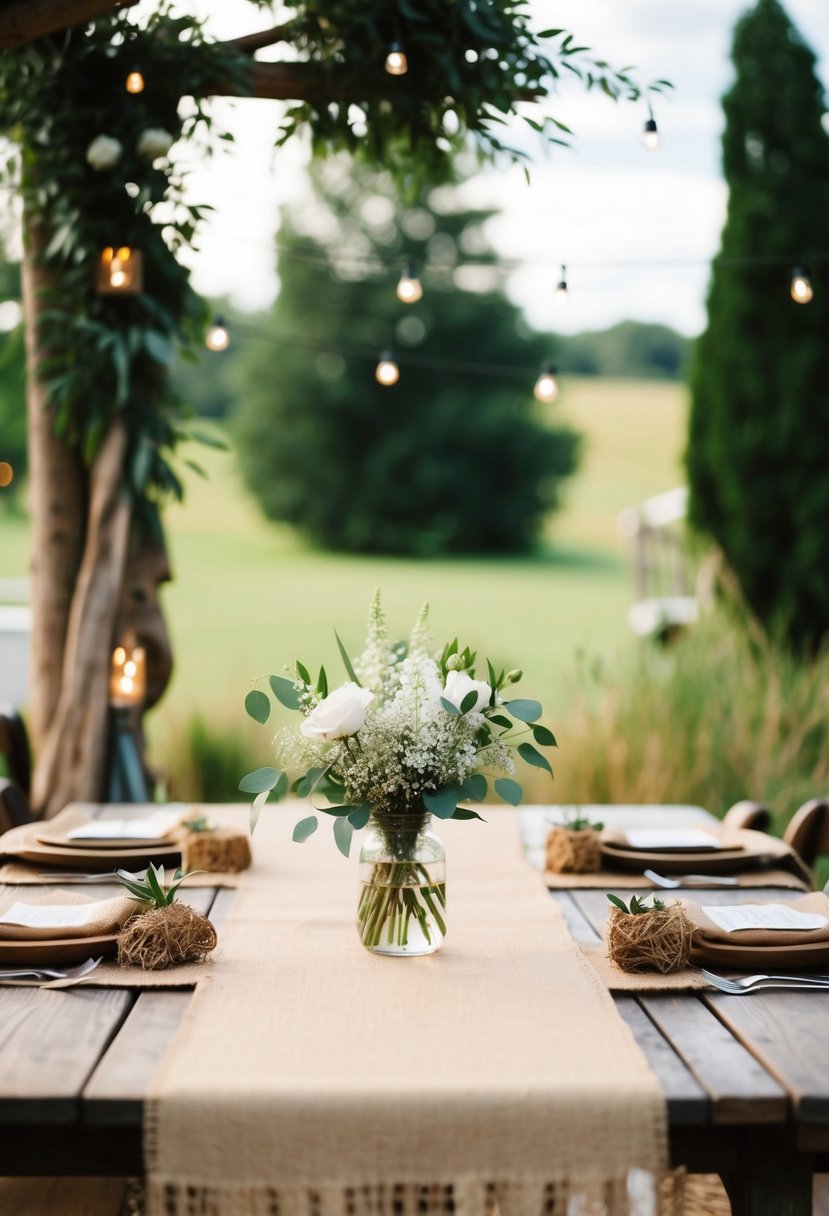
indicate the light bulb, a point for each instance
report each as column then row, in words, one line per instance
column 218, row 336
column 650, row 135
column 546, row 386
column 387, row 372
column 410, row 288
column 801, row 288
column 561, row 294
column 396, row 62
column 117, row 277
column 135, row 81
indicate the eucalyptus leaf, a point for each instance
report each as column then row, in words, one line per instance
column 508, row 790
column 474, row 787
column 464, row 812
column 257, row 706
column 343, row 831
column 260, row 780
column 531, row 755
column 443, row 802
column 544, row 736
column 284, row 692
column 450, row 708
column 305, row 828
column 256, row 808
column 524, row 711
column 359, row 817
column 469, row 701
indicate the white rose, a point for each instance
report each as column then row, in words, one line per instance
column 460, row 685
column 342, row 713
column 103, row 152
column 153, row 142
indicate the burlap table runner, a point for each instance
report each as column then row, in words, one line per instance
column 311, row 1078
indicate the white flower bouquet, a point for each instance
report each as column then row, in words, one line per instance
column 409, row 735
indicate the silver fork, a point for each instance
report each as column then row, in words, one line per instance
column 80, row 876
column 50, row 973
column 690, row 880
column 754, row 983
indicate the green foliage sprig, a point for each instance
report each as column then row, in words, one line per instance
column 638, row 907
column 153, row 888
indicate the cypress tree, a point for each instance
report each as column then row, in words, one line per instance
column 758, row 452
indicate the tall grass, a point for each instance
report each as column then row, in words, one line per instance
column 720, row 716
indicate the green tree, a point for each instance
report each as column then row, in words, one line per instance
column 445, row 461
column 759, row 432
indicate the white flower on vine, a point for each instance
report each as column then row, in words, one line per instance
column 342, row 713
column 153, row 142
column 104, row 152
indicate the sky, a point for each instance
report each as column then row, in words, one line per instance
column 606, row 208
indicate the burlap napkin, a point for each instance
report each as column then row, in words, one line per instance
column 110, row 915
column 750, row 947
column 741, row 850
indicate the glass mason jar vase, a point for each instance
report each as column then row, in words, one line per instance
column 402, row 909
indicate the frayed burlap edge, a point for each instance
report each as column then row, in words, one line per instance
column 468, row 1197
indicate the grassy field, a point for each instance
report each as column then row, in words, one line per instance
column 249, row 596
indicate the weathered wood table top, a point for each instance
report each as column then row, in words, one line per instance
column 746, row 1078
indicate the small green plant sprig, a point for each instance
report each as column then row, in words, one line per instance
column 199, row 824
column 638, row 907
column 575, row 821
column 153, row 888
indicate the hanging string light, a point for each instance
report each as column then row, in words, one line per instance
column 650, row 134
column 801, row 289
column 387, row 372
column 135, row 80
column 546, row 386
column 120, row 271
column 218, row 335
column 410, row 288
column 397, row 63
column 561, row 293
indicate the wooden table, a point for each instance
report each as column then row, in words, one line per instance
column 746, row 1078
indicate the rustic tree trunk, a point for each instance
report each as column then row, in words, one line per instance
column 70, row 765
column 57, row 507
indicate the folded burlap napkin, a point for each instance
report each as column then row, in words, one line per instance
column 746, row 947
column 740, row 849
column 48, row 916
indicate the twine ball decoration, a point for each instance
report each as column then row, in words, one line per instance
column 165, row 937
column 574, row 850
column 658, row 940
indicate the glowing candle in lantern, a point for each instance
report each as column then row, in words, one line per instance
column 128, row 676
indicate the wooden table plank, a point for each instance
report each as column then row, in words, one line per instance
column 687, row 1101
column 116, row 1090
column 580, row 927
column 788, row 1032
column 741, row 1090
column 50, row 1041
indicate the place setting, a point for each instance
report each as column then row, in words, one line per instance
column 666, row 847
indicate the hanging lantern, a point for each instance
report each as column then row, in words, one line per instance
column 801, row 289
column 135, row 81
column 120, row 271
column 387, row 372
column 397, row 63
column 128, row 676
column 650, row 134
column 218, row 336
column 409, row 288
column 546, row 386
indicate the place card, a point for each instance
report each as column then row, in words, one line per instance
column 122, row 829
column 51, row 916
column 764, row 916
column 659, row 839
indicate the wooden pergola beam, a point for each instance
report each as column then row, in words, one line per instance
column 23, row 21
column 248, row 43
